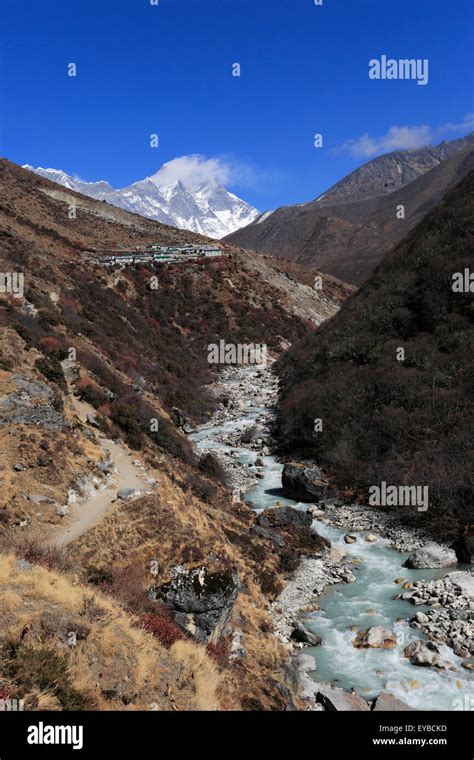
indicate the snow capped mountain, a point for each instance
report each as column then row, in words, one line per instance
column 196, row 202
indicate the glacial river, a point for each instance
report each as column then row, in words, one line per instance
column 366, row 602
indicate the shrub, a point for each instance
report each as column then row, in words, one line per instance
column 45, row 669
column 162, row 628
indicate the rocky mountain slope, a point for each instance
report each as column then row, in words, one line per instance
column 390, row 377
column 206, row 207
column 101, row 366
column 348, row 230
column 389, row 172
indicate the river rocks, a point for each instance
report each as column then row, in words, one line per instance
column 315, row 512
column 388, row 703
column 431, row 556
column 420, row 617
column 422, row 653
column 355, row 518
column 346, row 575
column 463, row 581
column 310, row 579
column 303, row 636
column 202, row 601
column 450, row 618
column 303, row 483
column 349, row 539
column 32, row 403
column 305, row 663
column 371, row 538
column 375, row 638
column 284, row 517
column 337, row 553
column 334, row 699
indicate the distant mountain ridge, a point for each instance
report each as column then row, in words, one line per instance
column 207, row 208
column 348, row 230
column 390, row 172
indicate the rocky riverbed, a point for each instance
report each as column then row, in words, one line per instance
column 239, row 435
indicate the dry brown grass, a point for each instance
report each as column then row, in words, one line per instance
column 116, row 666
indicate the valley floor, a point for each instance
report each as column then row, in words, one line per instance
column 365, row 575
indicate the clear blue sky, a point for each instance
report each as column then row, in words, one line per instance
column 167, row 69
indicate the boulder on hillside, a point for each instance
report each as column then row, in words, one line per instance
column 431, row 556
column 388, row 703
column 303, row 483
column 125, row 494
column 202, row 601
column 269, row 535
column 333, row 699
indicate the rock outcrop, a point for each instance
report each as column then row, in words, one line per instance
column 303, row 636
column 202, row 601
column 32, row 402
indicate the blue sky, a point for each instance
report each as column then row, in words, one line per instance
column 167, row 69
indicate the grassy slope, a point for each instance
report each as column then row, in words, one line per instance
column 125, row 334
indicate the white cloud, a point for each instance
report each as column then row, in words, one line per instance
column 403, row 138
column 195, row 170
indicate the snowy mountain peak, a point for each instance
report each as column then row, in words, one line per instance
column 191, row 202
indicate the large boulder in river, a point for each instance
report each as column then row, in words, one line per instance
column 375, row 638
column 333, row 699
column 388, row 703
column 202, row 601
column 422, row 653
column 431, row 556
column 303, row 483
